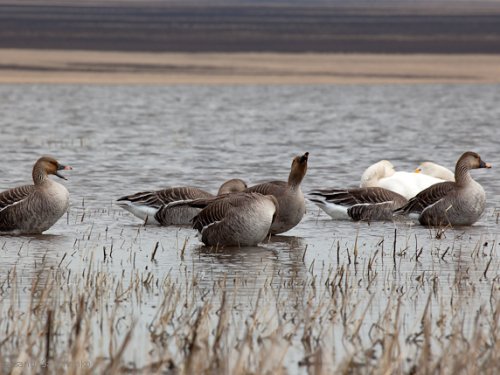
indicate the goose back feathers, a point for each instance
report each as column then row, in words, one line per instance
column 368, row 204
column 152, row 206
column 14, row 195
column 239, row 219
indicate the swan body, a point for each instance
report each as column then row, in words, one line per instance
column 407, row 184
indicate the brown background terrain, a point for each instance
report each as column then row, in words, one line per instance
column 249, row 41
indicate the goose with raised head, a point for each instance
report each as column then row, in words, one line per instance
column 367, row 204
column 292, row 206
column 459, row 202
column 238, row 219
column 32, row 209
column 151, row 206
column 407, row 184
column 435, row 170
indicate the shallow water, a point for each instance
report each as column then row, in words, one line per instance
column 124, row 139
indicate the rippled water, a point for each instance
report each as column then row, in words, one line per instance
column 124, row 139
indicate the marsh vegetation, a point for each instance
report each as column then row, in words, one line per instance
column 383, row 306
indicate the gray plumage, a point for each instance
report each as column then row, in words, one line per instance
column 451, row 203
column 239, row 219
column 367, row 204
column 33, row 209
column 14, row 195
column 153, row 206
column 426, row 198
column 162, row 197
column 292, row 206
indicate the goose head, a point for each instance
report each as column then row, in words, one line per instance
column 298, row 170
column 234, row 185
column 472, row 160
column 469, row 160
column 47, row 165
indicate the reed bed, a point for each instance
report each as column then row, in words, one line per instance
column 388, row 306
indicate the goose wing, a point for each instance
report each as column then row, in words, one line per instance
column 351, row 197
column 212, row 212
column 218, row 208
column 15, row 195
column 159, row 198
column 268, row 188
column 370, row 203
column 427, row 198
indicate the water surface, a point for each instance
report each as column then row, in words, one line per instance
column 124, row 139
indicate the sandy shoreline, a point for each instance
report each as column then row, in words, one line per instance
column 91, row 67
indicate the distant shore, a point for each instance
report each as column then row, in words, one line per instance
column 96, row 67
column 236, row 26
column 248, row 42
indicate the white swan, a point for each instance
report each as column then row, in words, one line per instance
column 435, row 170
column 407, row 184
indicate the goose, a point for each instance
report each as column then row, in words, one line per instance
column 407, row 184
column 151, row 206
column 459, row 202
column 435, row 170
column 32, row 209
column 367, row 204
column 238, row 219
column 292, row 206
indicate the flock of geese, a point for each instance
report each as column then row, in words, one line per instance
column 244, row 216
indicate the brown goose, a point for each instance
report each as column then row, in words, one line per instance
column 292, row 206
column 151, row 206
column 239, row 219
column 32, row 209
column 459, row 202
column 368, row 204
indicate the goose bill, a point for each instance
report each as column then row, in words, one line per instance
column 62, row 168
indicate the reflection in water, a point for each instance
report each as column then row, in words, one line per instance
column 293, row 241
column 235, row 253
column 279, row 259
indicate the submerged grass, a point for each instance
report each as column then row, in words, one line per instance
column 369, row 311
